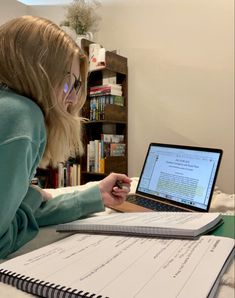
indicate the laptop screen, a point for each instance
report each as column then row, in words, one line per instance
column 180, row 174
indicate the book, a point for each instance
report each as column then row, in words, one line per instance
column 165, row 224
column 106, row 86
column 106, row 91
column 75, row 173
column 113, row 89
column 116, row 100
column 60, row 174
column 109, row 77
column 112, row 138
column 117, row 149
column 227, row 229
column 108, row 141
column 119, row 266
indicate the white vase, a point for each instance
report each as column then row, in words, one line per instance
column 71, row 32
column 88, row 36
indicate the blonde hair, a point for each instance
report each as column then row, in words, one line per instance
column 35, row 56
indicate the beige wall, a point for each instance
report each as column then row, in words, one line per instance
column 54, row 13
column 10, row 9
column 181, row 76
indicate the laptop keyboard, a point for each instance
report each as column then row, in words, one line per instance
column 153, row 205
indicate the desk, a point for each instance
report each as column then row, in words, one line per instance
column 221, row 203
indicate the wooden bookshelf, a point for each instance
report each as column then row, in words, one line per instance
column 115, row 116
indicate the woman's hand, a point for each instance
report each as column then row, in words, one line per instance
column 45, row 195
column 112, row 194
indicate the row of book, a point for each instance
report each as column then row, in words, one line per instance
column 98, row 103
column 67, row 174
column 98, row 150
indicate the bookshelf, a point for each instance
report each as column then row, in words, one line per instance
column 114, row 117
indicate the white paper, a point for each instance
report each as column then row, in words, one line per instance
column 116, row 266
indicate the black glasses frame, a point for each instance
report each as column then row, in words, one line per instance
column 76, row 85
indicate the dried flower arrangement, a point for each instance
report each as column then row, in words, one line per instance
column 81, row 16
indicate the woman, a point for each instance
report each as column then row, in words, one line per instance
column 42, row 89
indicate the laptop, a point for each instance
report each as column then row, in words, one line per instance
column 175, row 178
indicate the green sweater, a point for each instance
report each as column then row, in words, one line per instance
column 22, row 210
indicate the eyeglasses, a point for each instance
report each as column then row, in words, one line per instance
column 76, row 85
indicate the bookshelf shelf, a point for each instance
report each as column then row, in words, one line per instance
column 104, row 121
column 93, row 173
column 105, row 118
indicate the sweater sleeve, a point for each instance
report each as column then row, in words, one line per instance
column 22, row 208
column 18, row 201
column 70, row 206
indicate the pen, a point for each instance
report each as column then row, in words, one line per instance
column 120, row 185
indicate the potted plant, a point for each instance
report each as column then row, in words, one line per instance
column 82, row 18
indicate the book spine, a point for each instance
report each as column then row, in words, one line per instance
column 88, row 157
column 106, row 92
column 104, row 87
column 78, row 174
column 60, row 174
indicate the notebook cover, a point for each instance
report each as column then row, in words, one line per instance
column 227, row 228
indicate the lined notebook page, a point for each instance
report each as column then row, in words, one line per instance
column 127, row 267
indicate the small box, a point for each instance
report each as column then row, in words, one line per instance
column 96, row 57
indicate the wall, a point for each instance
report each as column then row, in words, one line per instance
column 10, row 9
column 181, row 77
column 54, row 13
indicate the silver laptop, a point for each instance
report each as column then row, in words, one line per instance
column 175, row 178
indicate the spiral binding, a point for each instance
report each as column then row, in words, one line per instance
column 42, row 288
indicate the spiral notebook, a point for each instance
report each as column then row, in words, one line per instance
column 118, row 266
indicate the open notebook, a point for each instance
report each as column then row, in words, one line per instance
column 121, row 267
column 175, row 178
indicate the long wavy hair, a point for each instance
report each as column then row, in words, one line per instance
column 35, row 56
